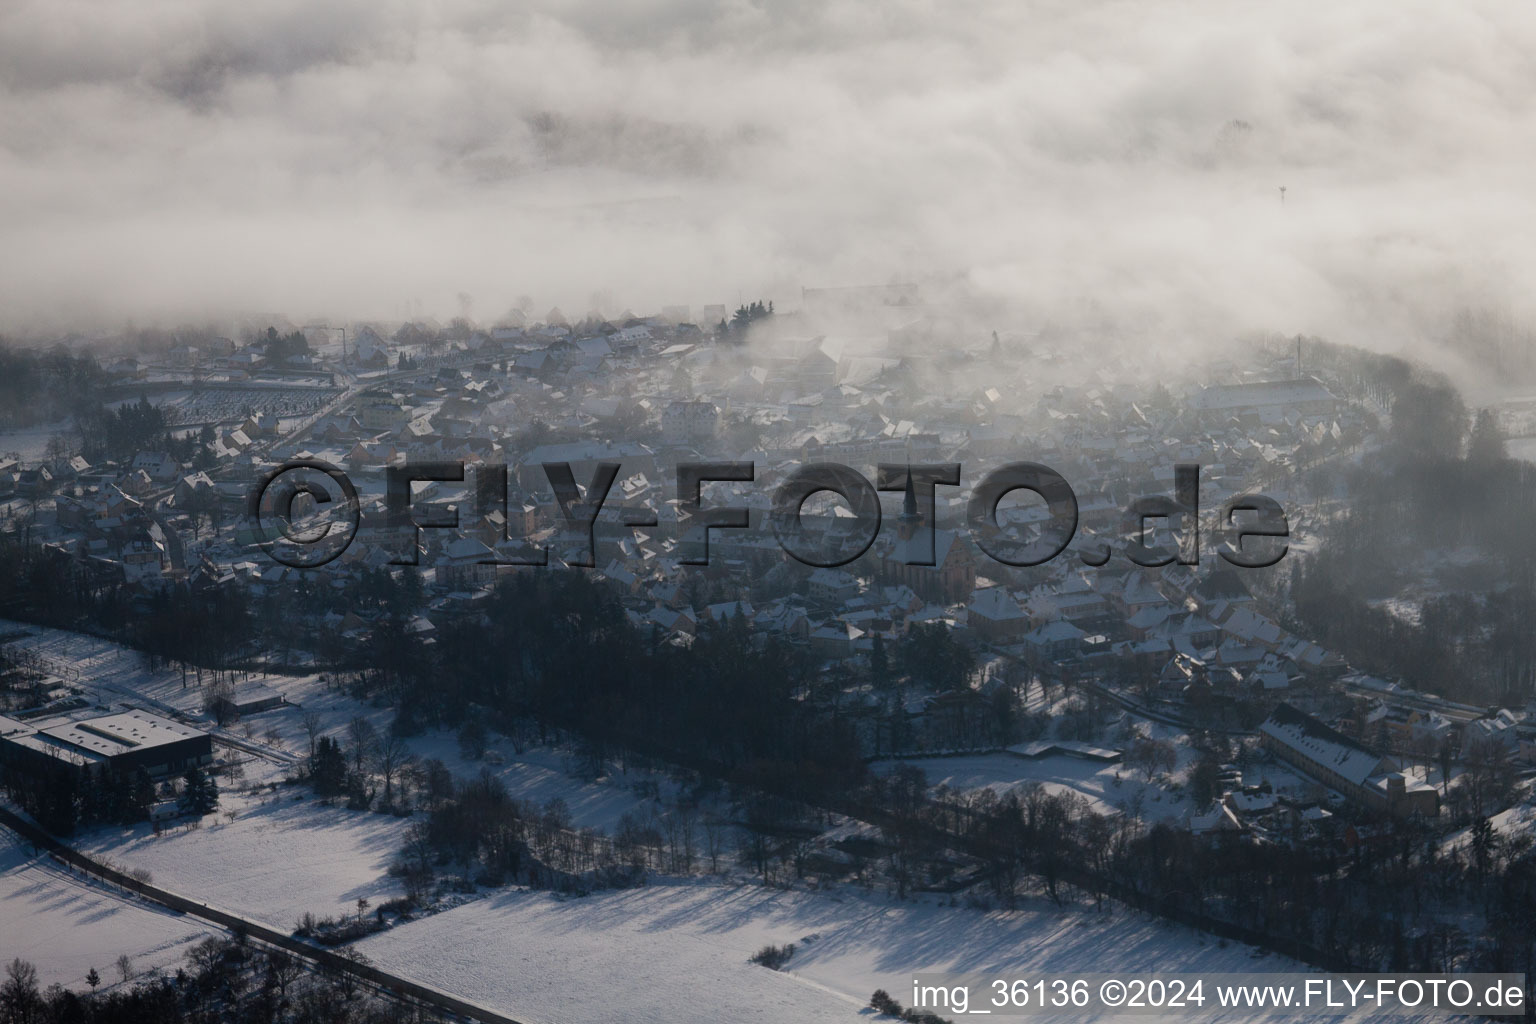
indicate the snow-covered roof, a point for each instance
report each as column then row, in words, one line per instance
column 1219, row 819
column 995, row 603
column 1316, row 742
column 1261, row 394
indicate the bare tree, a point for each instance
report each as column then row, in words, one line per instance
column 418, row 846
column 312, row 728
column 284, row 969
column 219, row 701
column 346, row 981
column 360, row 732
column 755, row 850
column 413, row 778
column 421, row 851
column 206, row 955
column 390, row 757
column 19, row 996
column 1152, row 756
column 1445, row 756
column 716, row 832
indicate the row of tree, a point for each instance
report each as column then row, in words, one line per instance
column 67, row 799
column 224, row 979
column 1441, row 483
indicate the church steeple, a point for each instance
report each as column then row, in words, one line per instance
column 910, row 518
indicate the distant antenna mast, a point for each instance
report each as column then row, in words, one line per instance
column 1282, row 195
column 1298, row 357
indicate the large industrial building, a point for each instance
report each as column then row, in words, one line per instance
column 125, row 741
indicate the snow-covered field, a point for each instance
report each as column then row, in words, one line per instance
column 665, row 953
column 281, row 857
column 673, row 953
column 30, row 444
column 65, row 925
column 273, row 863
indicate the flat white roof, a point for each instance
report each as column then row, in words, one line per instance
column 27, row 736
column 110, row 735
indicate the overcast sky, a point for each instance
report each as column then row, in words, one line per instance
column 370, row 158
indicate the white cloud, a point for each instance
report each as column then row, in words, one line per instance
column 174, row 156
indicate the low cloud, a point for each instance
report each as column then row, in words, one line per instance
column 376, row 159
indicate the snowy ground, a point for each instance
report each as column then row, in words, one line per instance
column 672, row 953
column 110, row 673
column 1511, row 824
column 663, row 953
column 30, row 444
column 274, row 862
column 65, row 925
column 1522, row 448
column 279, row 857
column 1107, row 787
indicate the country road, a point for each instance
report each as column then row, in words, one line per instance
column 318, row 956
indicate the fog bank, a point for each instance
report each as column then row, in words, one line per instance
column 379, row 159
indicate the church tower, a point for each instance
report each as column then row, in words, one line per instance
column 910, row 519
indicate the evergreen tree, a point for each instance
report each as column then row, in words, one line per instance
column 879, row 664
column 200, row 793
column 744, row 318
column 204, row 456
column 328, row 768
column 934, row 658
column 1205, row 781
column 114, row 801
column 141, row 795
column 58, row 803
column 1486, row 445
